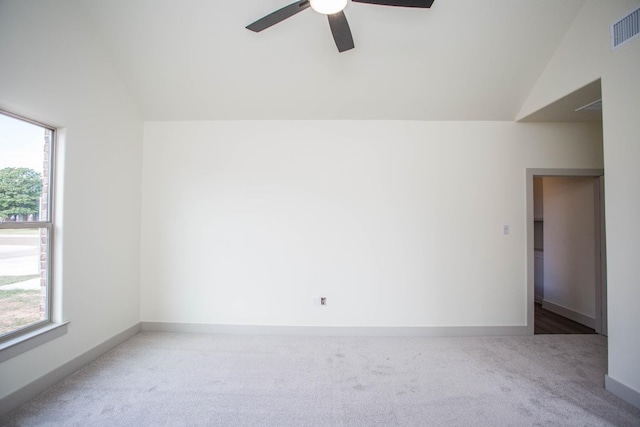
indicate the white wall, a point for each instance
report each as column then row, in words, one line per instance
column 585, row 56
column 622, row 192
column 569, row 244
column 54, row 71
column 396, row 223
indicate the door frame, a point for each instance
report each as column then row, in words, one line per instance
column 600, row 256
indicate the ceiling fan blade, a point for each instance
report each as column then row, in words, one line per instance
column 278, row 16
column 341, row 31
column 402, row 3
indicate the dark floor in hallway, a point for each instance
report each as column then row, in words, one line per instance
column 547, row 322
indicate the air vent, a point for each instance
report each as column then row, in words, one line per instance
column 625, row 29
column 593, row 106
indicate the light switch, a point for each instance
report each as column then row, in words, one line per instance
column 505, row 229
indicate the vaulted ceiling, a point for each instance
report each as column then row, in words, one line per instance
column 459, row 60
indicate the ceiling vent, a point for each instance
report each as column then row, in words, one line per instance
column 593, row 106
column 625, row 29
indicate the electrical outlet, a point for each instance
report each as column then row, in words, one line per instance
column 505, row 229
column 319, row 301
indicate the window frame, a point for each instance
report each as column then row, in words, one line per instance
column 31, row 331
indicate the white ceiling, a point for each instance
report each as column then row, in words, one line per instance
column 459, row 60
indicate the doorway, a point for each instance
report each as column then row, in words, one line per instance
column 566, row 272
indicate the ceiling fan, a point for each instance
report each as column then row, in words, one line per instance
column 334, row 11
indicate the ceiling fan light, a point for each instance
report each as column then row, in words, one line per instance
column 328, row 7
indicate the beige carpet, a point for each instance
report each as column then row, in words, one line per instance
column 164, row 379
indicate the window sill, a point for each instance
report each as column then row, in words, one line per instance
column 31, row 340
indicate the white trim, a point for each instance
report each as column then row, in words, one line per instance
column 583, row 319
column 623, row 391
column 49, row 224
column 530, row 173
column 356, row 331
column 26, row 119
column 27, row 341
column 565, row 172
column 601, row 261
column 37, row 386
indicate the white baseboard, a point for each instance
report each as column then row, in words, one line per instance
column 569, row 314
column 37, row 386
column 623, row 391
column 463, row 331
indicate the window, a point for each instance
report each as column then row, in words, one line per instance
column 26, row 225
